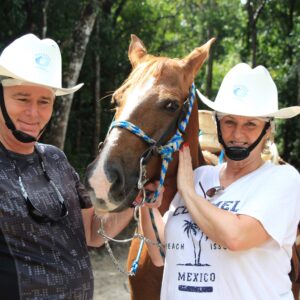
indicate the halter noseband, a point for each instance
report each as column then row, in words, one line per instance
column 166, row 151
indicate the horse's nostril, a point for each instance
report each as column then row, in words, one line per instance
column 115, row 175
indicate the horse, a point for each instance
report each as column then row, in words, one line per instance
column 295, row 273
column 152, row 99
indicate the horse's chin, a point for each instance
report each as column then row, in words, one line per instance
column 112, row 205
column 103, row 206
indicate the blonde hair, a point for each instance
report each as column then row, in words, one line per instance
column 270, row 153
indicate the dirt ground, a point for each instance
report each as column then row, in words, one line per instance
column 109, row 282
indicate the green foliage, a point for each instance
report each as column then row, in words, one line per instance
column 171, row 28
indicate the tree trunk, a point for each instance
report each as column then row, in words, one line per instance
column 290, row 28
column 97, row 92
column 77, row 44
column 209, row 77
column 289, row 25
column 254, row 45
column 253, row 15
column 78, row 133
column 298, row 81
column 44, row 17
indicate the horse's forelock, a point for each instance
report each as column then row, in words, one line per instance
column 152, row 67
column 139, row 75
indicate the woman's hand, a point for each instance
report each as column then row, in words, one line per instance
column 150, row 189
column 185, row 174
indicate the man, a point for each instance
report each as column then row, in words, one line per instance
column 46, row 219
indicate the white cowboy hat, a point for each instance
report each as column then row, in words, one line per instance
column 249, row 92
column 31, row 60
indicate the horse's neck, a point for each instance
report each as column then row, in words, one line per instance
column 191, row 137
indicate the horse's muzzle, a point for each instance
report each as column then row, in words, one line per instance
column 110, row 189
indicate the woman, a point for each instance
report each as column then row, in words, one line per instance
column 229, row 231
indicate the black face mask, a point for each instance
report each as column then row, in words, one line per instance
column 239, row 153
column 19, row 135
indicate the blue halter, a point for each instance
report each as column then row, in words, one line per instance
column 166, row 151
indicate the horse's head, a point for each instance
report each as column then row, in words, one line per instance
column 151, row 99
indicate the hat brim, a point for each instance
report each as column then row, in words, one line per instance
column 284, row 113
column 59, row 91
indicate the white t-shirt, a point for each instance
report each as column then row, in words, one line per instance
column 197, row 268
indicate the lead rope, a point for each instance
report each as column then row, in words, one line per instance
column 137, row 235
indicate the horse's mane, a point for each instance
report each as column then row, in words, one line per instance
column 152, row 66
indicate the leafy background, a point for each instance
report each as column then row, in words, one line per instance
column 258, row 32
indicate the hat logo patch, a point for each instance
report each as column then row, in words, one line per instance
column 240, row 91
column 42, row 60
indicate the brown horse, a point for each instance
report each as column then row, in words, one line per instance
column 295, row 273
column 151, row 98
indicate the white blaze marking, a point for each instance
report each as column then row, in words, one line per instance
column 134, row 99
column 98, row 180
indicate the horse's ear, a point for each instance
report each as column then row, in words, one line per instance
column 136, row 51
column 196, row 58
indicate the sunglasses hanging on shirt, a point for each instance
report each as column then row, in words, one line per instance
column 210, row 193
column 35, row 213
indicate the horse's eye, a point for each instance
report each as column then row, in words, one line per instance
column 115, row 102
column 171, row 105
